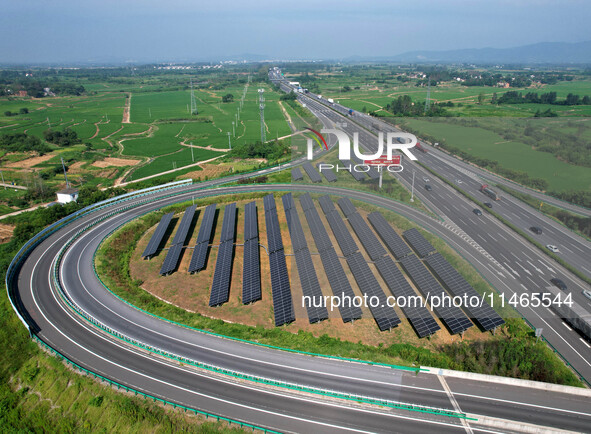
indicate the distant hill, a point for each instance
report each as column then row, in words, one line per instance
column 543, row 52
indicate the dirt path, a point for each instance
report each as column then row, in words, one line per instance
column 127, row 110
column 209, row 147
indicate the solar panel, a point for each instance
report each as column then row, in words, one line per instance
column 319, row 234
column 393, row 241
column 327, row 204
column 157, row 236
column 306, row 271
column 359, row 176
column 220, row 287
column 199, row 257
column 251, row 272
column 370, row 242
column 372, row 172
column 251, row 229
column 327, row 172
column 229, row 223
column 312, row 173
column 453, row 317
column 296, row 174
column 418, row 242
column 306, row 202
column 384, row 315
column 484, row 315
column 346, row 242
column 346, row 206
column 172, row 257
column 282, row 302
column 414, row 309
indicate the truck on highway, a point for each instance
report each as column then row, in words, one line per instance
column 330, row 100
column 567, row 309
column 489, row 192
column 421, row 148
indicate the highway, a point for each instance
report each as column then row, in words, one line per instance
column 512, row 264
column 91, row 348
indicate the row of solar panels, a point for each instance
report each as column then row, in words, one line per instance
column 386, row 318
column 296, row 173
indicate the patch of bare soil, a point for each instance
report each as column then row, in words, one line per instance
column 5, row 233
column 118, row 162
column 30, row 162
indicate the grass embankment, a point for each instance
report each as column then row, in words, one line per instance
column 514, row 351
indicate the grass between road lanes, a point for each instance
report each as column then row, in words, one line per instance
column 512, row 352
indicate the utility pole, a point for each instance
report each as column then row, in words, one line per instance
column 233, row 129
column 428, row 100
column 193, row 101
column 65, row 176
column 262, row 113
column 3, row 179
column 412, row 189
column 192, row 157
column 229, row 141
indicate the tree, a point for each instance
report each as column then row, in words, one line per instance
column 8, row 113
column 480, row 98
column 572, row 99
column 586, row 100
column 228, row 98
column 23, row 111
column 494, row 99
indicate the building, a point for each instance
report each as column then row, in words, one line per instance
column 67, row 195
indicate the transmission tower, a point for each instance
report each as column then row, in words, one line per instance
column 428, row 100
column 262, row 110
column 193, row 102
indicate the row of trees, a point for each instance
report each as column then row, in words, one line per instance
column 21, row 111
column 514, row 97
column 271, row 151
column 21, row 142
column 404, row 106
column 66, row 137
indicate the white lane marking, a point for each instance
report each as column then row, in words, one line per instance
column 586, row 269
column 533, row 283
column 585, row 342
column 539, row 270
column 490, row 235
column 523, row 286
column 567, row 249
column 567, row 326
column 455, row 404
column 514, row 272
column 525, row 254
column 502, row 236
column 550, row 310
column 198, row 374
column 504, row 257
column 548, row 267
column 524, row 269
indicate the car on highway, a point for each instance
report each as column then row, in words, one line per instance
column 458, row 181
column 425, row 179
column 536, row 230
column 552, row 248
column 488, row 204
column 428, row 187
column 587, row 293
column 558, row 283
column 477, row 211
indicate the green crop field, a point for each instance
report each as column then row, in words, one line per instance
column 511, row 154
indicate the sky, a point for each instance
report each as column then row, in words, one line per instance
column 43, row 31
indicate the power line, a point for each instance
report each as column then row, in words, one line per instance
column 262, row 111
column 193, row 101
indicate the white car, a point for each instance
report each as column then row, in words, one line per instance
column 587, row 293
column 425, row 179
column 458, row 181
column 552, row 248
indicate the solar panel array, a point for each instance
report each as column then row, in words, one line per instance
column 312, row 173
column 282, row 302
column 372, row 172
column 251, row 272
column 370, row 242
column 306, row 272
column 347, row 206
column 174, row 253
column 453, row 317
column 484, row 315
column 327, row 172
column 395, row 244
column 330, row 261
column 418, row 242
column 419, row 317
column 384, row 315
column 199, row 258
column 220, row 287
column 296, row 174
column 157, row 236
column 359, row 176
